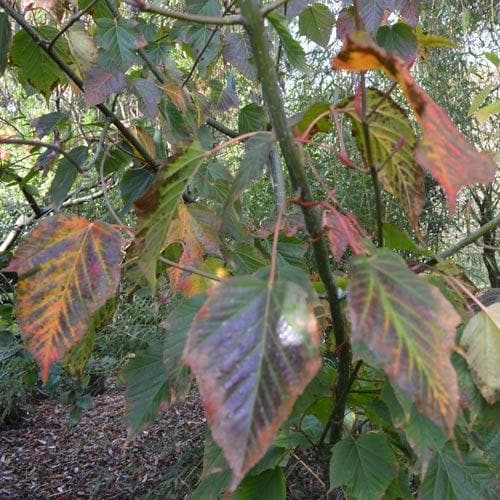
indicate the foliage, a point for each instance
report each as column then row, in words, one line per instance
column 138, row 111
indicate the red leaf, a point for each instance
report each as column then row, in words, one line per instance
column 100, row 84
column 342, row 230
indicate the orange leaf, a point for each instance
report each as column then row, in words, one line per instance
column 443, row 151
column 68, row 268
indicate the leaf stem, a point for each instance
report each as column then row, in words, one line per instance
column 48, row 145
column 189, row 269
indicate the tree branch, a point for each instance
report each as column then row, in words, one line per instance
column 43, row 44
column 254, row 23
column 48, row 145
column 185, row 16
column 453, row 249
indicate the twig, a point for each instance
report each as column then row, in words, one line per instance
column 53, row 147
column 189, row 269
column 368, row 161
column 453, row 249
column 185, row 16
column 104, row 189
column 72, row 20
column 274, row 252
column 308, row 469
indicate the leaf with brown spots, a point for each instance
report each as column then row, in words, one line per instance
column 443, row 151
column 342, row 230
column 68, row 268
column 195, row 228
column 405, row 326
column 253, row 348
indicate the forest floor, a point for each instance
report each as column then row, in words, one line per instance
column 46, row 457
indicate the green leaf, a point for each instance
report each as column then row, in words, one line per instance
column 118, row 40
column 452, row 478
column 293, row 50
column 65, row 175
column 270, row 485
column 247, row 258
column 35, row 66
column 399, row 39
column 491, row 109
column 310, row 116
column 176, row 326
column 147, row 387
column 397, row 239
column 424, row 437
column 366, row 465
column 405, row 326
column 253, row 348
column 47, row 123
column 392, row 141
column 399, row 488
column 99, row 9
column 479, row 99
column 492, row 57
column 5, row 40
column 316, row 23
column 257, row 153
column 134, row 184
column 251, row 118
column 157, row 207
column 481, row 340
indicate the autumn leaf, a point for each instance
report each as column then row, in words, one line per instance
column 195, row 228
column 392, row 141
column 68, row 268
column 342, row 229
column 405, row 326
column 253, row 349
column 443, row 151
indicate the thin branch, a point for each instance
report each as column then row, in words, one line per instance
column 453, row 249
column 185, row 16
column 28, row 196
column 53, row 147
column 190, row 269
column 274, row 252
column 72, row 20
column 221, row 128
column 369, row 164
column 104, row 188
column 268, row 8
column 43, row 44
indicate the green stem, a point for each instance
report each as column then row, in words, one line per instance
column 254, row 24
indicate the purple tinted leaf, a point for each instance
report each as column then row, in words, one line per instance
column 149, row 94
column 345, row 23
column 237, row 52
column 253, row 349
column 372, row 12
column 100, row 84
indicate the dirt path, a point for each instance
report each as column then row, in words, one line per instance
column 48, row 458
